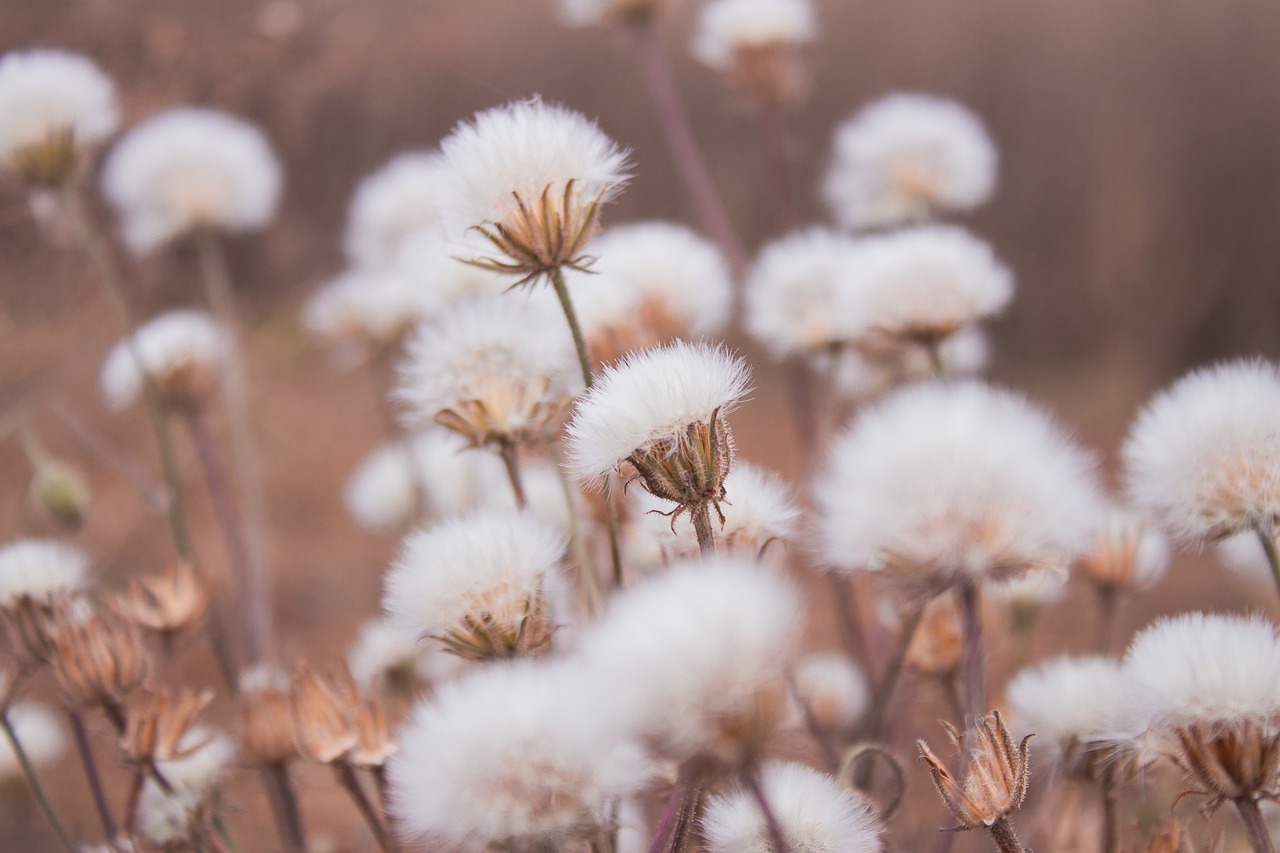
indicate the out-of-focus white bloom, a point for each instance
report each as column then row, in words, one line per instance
column 793, row 291
column 40, row 569
column 729, row 28
column 183, row 351
column 508, row 757
column 430, row 259
column 862, row 375
column 760, row 514
column 1072, row 705
column 586, row 13
column 494, row 370
column 477, row 583
column 164, row 816
column 385, row 654
column 929, row 282
column 41, row 735
column 1204, row 455
column 833, row 689
column 53, row 104
column 189, row 169
column 364, row 310
column 652, row 398
column 1243, row 554
column 1127, row 551
column 814, row 813
column 531, row 176
column 693, row 660
column 400, row 198
column 1033, row 589
column 906, row 156
column 634, row 834
column 949, row 481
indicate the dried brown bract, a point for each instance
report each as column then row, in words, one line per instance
column 264, row 716
column 158, row 722
column 165, row 603
column 97, row 656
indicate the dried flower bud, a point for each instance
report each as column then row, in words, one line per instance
column 323, row 715
column 98, row 657
column 165, row 603
column 375, row 744
column 159, row 721
column 264, row 716
column 60, row 490
column 937, row 645
column 183, row 353
column 995, row 780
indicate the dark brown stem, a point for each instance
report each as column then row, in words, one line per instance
column 878, row 717
column 508, row 452
column 29, row 772
column 701, row 517
column 678, row 815
column 816, row 730
column 1005, row 838
column 971, row 620
column 684, row 146
column 771, row 825
column 284, row 806
column 1254, row 825
column 131, row 799
column 85, row 749
column 1273, row 558
column 615, row 546
column 347, row 779
column 845, row 604
column 773, row 140
column 237, row 551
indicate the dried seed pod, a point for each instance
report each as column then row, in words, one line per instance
column 264, row 716
column 324, row 716
column 165, row 603
column 159, row 721
column 97, row 655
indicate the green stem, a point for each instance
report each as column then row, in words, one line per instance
column 32, row 780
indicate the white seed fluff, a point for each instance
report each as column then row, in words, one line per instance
column 429, row 258
column 728, row 27
column 679, row 656
column 815, row 813
column 586, row 13
column 399, row 199
column 652, row 396
column 40, row 569
column 44, row 93
column 793, row 293
column 190, row 168
column 1070, row 702
column 1033, row 589
column 366, row 307
column 506, row 756
column 174, row 342
column 905, row 156
column 165, row 816
column 1204, row 455
column 947, row 480
column 40, row 734
column 488, row 562
column 833, row 688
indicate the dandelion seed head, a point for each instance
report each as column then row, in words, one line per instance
column 833, row 688
column 366, row 310
column 40, row 569
column 397, row 200
column 183, row 351
column 727, row 28
column 588, row 13
column 1070, row 704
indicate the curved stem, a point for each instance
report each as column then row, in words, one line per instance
column 701, row 517
column 1254, row 826
column 85, row 750
column 878, row 716
column 33, row 781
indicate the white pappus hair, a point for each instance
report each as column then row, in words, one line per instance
column 398, row 199
column 726, row 27
column 48, row 92
column 40, row 569
column 170, row 343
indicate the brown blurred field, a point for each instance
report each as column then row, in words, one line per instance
column 1139, row 207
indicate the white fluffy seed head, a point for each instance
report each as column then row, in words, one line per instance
column 45, row 94
column 793, row 293
column 727, row 28
column 1199, row 668
column 1127, row 550
column 833, row 688
column 814, row 812
column 487, row 565
column 188, row 169
column 860, row 376
column 400, row 198
column 507, row 757
column 491, row 367
column 693, row 660
column 40, row 734
column 1204, row 455
column 1070, row 704
column 929, row 282
column 521, row 150
column 40, row 569
column 1032, row 590
column 650, row 397
column 429, row 258
column 165, row 816
column 950, row 480
column 366, row 309
column 587, row 13
column 183, row 351
column 906, row 156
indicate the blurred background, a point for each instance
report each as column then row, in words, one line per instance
column 1138, row 206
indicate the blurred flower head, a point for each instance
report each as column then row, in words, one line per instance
column 365, row 312
column 1127, row 551
column 755, row 44
column 40, row 569
column 166, row 816
column 397, row 200
column 833, row 690
column 183, row 353
column 1075, row 706
column 38, row 731
column 585, row 13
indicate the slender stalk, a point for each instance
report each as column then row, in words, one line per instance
column 33, row 782
column 131, row 799
column 237, row 551
column 575, row 328
column 113, row 457
column 284, row 807
column 701, row 517
column 1273, row 558
column 1108, row 610
column 816, row 730
column 347, row 779
column 971, row 619
column 843, row 600
column 224, row 833
column 878, row 717
column 1254, row 825
column 678, row 815
column 683, row 146
column 85, row 749
column 384, row 800
column 776, row 839
column 1005, row 838
column 1110, row 817
column 217, row 281
column 577, row 545
column 939, row 365
column 773, row 141
column 509, row 454
column 615, row 546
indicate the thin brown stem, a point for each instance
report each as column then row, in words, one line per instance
column 284, row 807
column 776, row 839
column 845, row 603
column 217, row 282
column 773, row 141
column 681, row 807
column 683, row 146
column 701, row 517
column 90, row 765
column 1255, row 827
column 1273, row 558
column 1110, row 815
column 112, row 456
column 131, row 799
column 971, row 621
column 1005, row 838
column 1108, row 610
column 509, row 454
column 33, row 781
column 347, row 779
column 817, row 731
column 878, row 717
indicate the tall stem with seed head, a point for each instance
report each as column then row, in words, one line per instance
column 773, row 140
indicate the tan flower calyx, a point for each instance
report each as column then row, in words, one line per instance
column 996, row 779
column 28, row 622
column 937, row 646
column 264, row 721
column 542, row 237
column 506, row 412
column 97, row 655
column 323, row 716
column 770, row 75
column 690, row 469
column 168, row 602
column 159, row 721
column 489, row 633
column 48, row 163
column 1239, row 761
column 1110, row 562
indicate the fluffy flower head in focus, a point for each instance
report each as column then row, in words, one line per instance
column 399, row 199
column 947, row 481
column 40, row 734
column 477, row 584
column 506, row 758
column 40, row 569
column 815, row 813
column 363, row 312
column 693, row 661
column 191, row 169
column 531, row 177
column 1074, row 706
column 833, row 689
column 755, row 43
column 905, row 157
column 1204, row 455
column 494, row 370
column 1203, row 689
column 53, row 105
column 183, row 352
